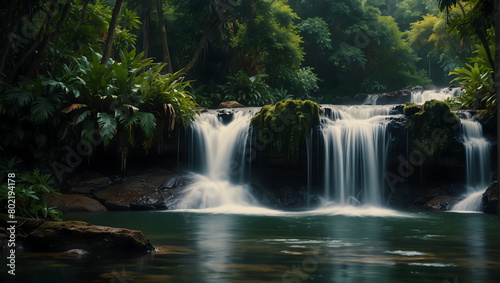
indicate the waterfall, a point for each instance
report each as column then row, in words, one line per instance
column 477, row 155
column 371, row 99
column 420, row 97
column 221, row 147
column 355, row 149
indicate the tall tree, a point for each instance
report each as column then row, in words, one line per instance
column 146, row 20
column 111, row 32
column 166, row 53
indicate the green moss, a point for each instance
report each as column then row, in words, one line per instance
column 286, row 125
column 410, row 109
column 433, row 126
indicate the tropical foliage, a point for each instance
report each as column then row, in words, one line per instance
column 31, row 190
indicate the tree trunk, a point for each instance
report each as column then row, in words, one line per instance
column 166, row 53
column 484, row 42
column 146, row 18
column 84, row 10
column 41, row 51
column 204, row 38
column 43, row 34
column 497, row 84
column 111, row 32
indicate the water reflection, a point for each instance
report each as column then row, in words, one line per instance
column 427, row 247
column 215, row 240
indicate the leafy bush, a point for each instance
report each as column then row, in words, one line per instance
column 282, row 94
column 249, row 91
column 30, row 118
column 122, row 104
column 477, row 81
column 303, row 82
column 31, row 190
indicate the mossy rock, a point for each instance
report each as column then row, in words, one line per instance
column 287, row 124
column 411, row 109
column 433, row 124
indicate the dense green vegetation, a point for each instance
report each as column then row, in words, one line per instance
column 121, row 76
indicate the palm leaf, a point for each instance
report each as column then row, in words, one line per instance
column 42, row 109
column 147, row 123
column 107, row 126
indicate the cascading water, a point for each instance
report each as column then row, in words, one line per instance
column 420, row 97
column 371, row 99
column 355, row 148
column 477, row 154
column 222, row 148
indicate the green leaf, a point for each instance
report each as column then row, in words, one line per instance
column 107, row 126
column 147, row 123
column 42, row 109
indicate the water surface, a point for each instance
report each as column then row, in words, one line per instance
column 329, row 245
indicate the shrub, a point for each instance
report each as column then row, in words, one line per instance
column 250, row 91
column 31, row 189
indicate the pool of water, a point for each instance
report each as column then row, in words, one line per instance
column 339, row 245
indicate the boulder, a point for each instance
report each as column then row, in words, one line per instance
column 64, row 236
column 230, row 104
column 441, row 203
column 490, row 199
column 225, row 115
column 430, row 87
column 148, row 190
column 90, row 186
column 75, row 252
column 74, row 202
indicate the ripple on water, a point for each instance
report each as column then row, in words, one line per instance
column 406, row 253
column 432, row 264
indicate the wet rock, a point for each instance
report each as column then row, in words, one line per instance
column 75, row 252
column 230, row 104
column 430, row 87
column 397, row 110
column 225, row 115
column 399, row 197
column 287, row 196
column 149, row 190
column 397, row 124
column 74, row 202
column 24, row 225
column 441, row 203
column 175, row 182
column 360, row 97
column 63, row 236
column 490, row 199
column 90, row 186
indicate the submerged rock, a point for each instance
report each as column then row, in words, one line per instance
column 64, row 236
column 490, row 199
